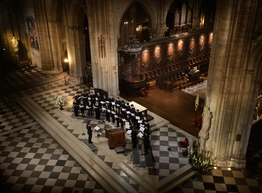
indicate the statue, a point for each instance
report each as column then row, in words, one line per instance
column 14, row 44
column 206, row 125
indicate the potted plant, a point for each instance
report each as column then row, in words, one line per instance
column 201, row 161
column 61, row 101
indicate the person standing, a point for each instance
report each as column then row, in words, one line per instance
column 113, row 113
column 89, row 108
column 146, row 138
column 76, row 107
column 89, row 132
column 107, row 112
column 134, row 135
column 97, row 110
column 82, row 108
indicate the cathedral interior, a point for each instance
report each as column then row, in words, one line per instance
column 194, row 67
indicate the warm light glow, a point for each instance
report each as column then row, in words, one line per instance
column 215, row 167
column 228, row 168
column 126, row 22
column 139, row 28
column 66, row 60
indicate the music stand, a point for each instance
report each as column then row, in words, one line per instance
column 97, row 129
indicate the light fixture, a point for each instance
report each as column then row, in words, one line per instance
column 125, row 22
column 139, row 28
column 66, row 60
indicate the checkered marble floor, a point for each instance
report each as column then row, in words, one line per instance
column 31, row 161
column 21, row 78
column 166, row 162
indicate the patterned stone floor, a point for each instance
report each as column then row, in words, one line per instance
column 31, row 161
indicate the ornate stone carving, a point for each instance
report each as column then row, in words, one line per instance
column 170, row 51
column 206, row 125
column 180, row 47
column 145, row 58
column 132, row 45
column 207, row 116
column 192, row 46
column 157, row 54
column 201, row 42
column 101, row 46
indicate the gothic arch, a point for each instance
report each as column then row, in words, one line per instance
column 75, row 26
column 146, row 8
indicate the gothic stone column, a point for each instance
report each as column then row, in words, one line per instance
column 230, row 88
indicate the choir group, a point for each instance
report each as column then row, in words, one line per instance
column 117, row 112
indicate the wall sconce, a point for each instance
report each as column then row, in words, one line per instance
column 66, row 60
column 65, row 65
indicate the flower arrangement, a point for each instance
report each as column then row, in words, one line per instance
column 61, row 101
column 203, row 161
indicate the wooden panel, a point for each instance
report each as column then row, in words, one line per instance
column 112, row 130
column 116, row 139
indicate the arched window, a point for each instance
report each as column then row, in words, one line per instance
column 136, row 21
column 179, row 17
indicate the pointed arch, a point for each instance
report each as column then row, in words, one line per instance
column 137, row 19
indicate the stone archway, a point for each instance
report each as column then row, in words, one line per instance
column 136, row 21
column 75, row 41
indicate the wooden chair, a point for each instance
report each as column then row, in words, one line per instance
column 184, row 143
column 144, row 91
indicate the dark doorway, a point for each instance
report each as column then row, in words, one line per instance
column 87, row 75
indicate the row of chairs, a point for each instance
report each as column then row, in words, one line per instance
column 187, row 84
column 198, row 59
column 170, row 77
column 182, row 67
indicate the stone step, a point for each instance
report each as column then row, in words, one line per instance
column 157, row 122
column 152, row 184
column 98, row 169
column 176, row 178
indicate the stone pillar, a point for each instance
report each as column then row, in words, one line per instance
column 231, row 91
column 161, row 28
column 55, row 45
column 103, row 41
column 74, row 55
column 43, row 36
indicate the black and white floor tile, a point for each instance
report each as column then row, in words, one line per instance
column 31, row 161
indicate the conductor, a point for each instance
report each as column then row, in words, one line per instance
column 89, row 132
